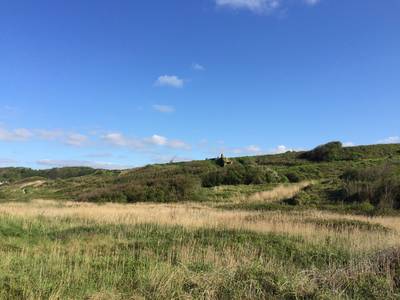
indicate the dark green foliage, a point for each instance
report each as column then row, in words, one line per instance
column 177, row 188
column 294, row 176
column 378, row 185
column 328, row 152
column 15, row 174
column 67, row 172
column 162, row 182
column 345, row 224
column 334, row 151
column 12, row 174
column 240, row 174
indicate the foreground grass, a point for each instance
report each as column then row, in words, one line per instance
column 51, row 250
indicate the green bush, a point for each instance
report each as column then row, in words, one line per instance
column 240, row 174
column 294, row 176
column 176, row 188
column 378, row 185
column 328, row 152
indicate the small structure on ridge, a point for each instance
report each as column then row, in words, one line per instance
column 223, row 161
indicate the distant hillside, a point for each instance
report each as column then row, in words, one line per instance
column 15, row 174
column 343, row 174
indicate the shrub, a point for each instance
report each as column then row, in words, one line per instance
column 176, row 188
column 328, row 152
column 377, row 185
column 294, row 177
column 271, row 176
column 239, row 174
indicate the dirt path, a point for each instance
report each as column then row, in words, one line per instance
column 35, row 184
column 281, row 192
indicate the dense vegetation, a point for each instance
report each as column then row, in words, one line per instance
column 15, row 174
column 350, row 176
column 80, row 259
column 321, row 224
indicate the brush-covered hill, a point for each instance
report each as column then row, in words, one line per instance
column 362, row 178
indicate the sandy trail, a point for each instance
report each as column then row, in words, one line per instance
column 35, row 184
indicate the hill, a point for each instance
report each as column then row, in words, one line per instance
column 364, row 178
column 319, row 224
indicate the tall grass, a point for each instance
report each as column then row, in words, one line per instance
column 53, row 250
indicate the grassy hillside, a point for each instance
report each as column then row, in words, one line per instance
column 322, row 224
column 329, row 167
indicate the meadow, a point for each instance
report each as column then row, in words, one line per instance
column 182, row 251
column 308, row 234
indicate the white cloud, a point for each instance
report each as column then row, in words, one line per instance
column 177, row 144
column 169, row 80
column 56, row 163
column 198, row 67
column 24, row 135
column 76, row 139
column 20, row 134
column 118, row 139
column 248, row 150
column 259, row 6
column 163, row 108
column 158, row 140
column 253, row 149
column 71, row 139
column 311, row 2
column 280, row 149
column 49, row 134
column 162, row 159
column 252, row 5
column 7, row 162
column 99, row 155
column 348, row 144
column 390, row 140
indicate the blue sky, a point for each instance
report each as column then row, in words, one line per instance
column 126, row 83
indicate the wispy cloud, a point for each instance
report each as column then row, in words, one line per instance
column 157, row 140
column 163, row 108
column 311, row 2
column 198, row 67
column 99, row 155
column 390, row 140
column 8, row 112
column 169, row 159
column 178, row 144
column 7, row 162
column 169, row 80
column 251, row 149
column 20, row 134
column 348, row 144
column 246, row 150
column 259, row 6
column 252, row 5
column 76, row 139
column 280, row 149
column 25, row 135
column 120, row 140
column 49, row 135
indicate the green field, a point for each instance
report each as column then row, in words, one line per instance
column 322, row 224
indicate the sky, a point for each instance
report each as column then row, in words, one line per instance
column 118, row 84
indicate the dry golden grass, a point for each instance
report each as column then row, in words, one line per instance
column 74, row 261
column 278, row 193
column 35, row 184
column 192, row 215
